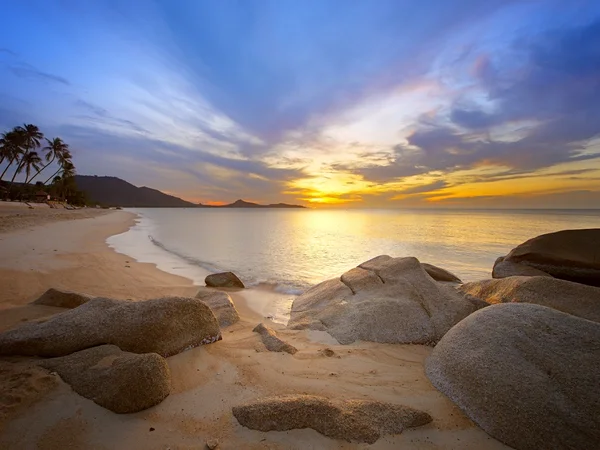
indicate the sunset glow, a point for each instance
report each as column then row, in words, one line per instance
column 470, row 104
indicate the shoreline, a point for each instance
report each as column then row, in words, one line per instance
column 262, row 298
column 207, row 381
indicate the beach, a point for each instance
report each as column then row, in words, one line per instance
column 206, row 381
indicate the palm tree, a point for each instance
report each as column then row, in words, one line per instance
column 11, row 148
column 30, row 135
column 66, row 182
column 64, row 161
column 32, row 159
column 56, row 148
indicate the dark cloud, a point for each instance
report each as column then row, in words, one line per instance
column 556, row 89
column 424, row 188
column 27, row 71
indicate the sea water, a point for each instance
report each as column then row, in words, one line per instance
column 290, row 250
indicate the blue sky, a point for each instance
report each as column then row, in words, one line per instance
column 351, row 103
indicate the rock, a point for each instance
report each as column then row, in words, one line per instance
column 272, row 342
column 221, row 305
column 566, row 296
column 62, row 299
column 569, row 255
column 439, row 274
column 165, row 326
column 476, row 302
column 528, row 375
column 224, row 279
column 119, row 381
column 212, row 444
column 350, row 420
column 503, row 269
column 327, row 352
column 388, row 300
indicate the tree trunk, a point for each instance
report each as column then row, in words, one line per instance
column 42, row 169
column 52, row 176
column 7, row 167
column 16, row 172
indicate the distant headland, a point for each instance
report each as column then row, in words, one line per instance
column 113, row 191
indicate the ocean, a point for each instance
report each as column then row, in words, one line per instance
column 291, row 250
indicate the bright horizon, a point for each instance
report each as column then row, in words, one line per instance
column 387, row 104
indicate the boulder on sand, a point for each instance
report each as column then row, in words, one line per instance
column 272, row 342
column 350, row 420
column 62, row 299
column 221, row 305
column 569, row 255
column 566, row 296
column 119, row 381
column 165, row 326
column 439, row 274
column 224, row 279
column 528, row 375
column 388, row 300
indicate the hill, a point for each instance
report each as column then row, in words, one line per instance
column 244, row 204
column 112, row 191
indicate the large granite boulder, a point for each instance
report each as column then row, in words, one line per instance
column 389, row 300
column 272, row 341
column 350, row 420
column 528, row 375
column 165, row 326
column 569, row 255
column 566, row 296
column 62, row 299
column 119, row 381
column 224, row 279
column 221, row 305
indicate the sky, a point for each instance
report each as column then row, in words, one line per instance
column 325, row 103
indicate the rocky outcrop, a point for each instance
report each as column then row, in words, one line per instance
column 62, row 299
column 566, row 296
column 439, row 274
column 165, row 326
column 119, row 381
column 221, row 305
column 224, row 279
column 272, row 342
column 528, row 375
column 389, row 300
column 350, row 420
column 572, row 255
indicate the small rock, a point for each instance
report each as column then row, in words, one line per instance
column 220, row 304
column 212, row 444
column 272, row 342
column 224, row 279
column 151, row 428
column 328, row 352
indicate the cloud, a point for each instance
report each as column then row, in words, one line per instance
column 557, row 94
column 27, row 71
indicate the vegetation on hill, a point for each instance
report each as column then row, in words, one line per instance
column 25, row 150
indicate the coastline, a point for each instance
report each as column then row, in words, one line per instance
column 206, row 381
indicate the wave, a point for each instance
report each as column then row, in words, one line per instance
column 277, row 286
column 205, row 265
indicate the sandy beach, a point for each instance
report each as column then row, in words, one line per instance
column 39, row 411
